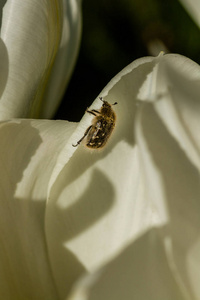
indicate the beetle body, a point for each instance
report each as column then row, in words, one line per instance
column 102, row 126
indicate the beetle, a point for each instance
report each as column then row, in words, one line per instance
column 103, row 123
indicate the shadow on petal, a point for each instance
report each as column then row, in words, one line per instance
column 73, row 215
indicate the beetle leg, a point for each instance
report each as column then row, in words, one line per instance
column 93, row 112
column 86, row 132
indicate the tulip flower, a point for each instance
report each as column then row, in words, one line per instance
column 117, row 223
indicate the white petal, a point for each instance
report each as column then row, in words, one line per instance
column 193, row 7
column 31, row 31
column 141, row 271
column 29, row 152
column 167, row 131
column 65, row 58
column 97, row 203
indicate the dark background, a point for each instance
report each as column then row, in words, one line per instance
column 115, row 33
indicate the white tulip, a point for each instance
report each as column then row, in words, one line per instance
column 117, row 223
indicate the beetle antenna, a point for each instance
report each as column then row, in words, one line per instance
column 104, row 101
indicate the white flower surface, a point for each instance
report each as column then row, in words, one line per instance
column 155, row 195
column 117, row 223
